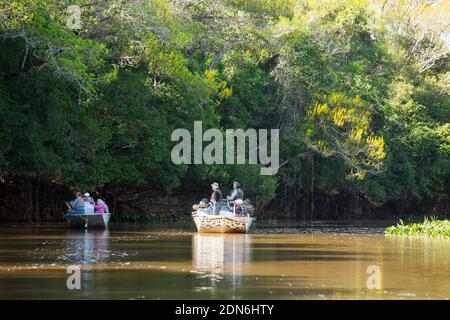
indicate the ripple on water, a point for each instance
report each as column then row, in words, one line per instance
column 256, row 266
column 320, row 230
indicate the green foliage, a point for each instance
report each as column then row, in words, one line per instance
column 432, row 228
column 361, row 107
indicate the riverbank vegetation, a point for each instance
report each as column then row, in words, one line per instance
column 359, row 89
column 433, row 228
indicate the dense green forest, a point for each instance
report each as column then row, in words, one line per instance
column 358, row 89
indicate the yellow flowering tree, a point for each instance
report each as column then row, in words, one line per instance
column 340, row 126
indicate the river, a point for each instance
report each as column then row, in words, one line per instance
column 298, row 261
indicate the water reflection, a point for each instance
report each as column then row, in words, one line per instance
column 87, row 247
column 424, row 260
column 221, row 256
column 220, row 253
column 427, row 250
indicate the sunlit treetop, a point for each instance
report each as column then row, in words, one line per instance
column 341, row 129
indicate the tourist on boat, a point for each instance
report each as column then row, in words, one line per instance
column 88, row 204
column 100, row 207
column 216, row 197
column 88, row 198
column 237, row 192
column 77, row 205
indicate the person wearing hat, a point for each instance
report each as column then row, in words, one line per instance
column 77, row 205
column 88, row 204
column 216, row 196
column 237, row 192
column 88, row 198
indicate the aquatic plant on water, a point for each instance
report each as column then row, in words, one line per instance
column 429, row 227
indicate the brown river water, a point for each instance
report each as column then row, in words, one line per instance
column 298, row 261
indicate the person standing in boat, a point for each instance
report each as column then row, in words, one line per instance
column 88, row 204
column 77, row 205
column 216, row 197
column 237, row 193
column 88, row 198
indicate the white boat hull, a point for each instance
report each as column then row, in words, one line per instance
column 222, row 224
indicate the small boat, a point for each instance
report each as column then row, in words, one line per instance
column 90, row 220
column 226, row 220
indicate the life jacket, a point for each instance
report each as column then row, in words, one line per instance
column 217, row 195
column 240, row 194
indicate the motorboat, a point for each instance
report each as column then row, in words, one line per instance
column 223, row 217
